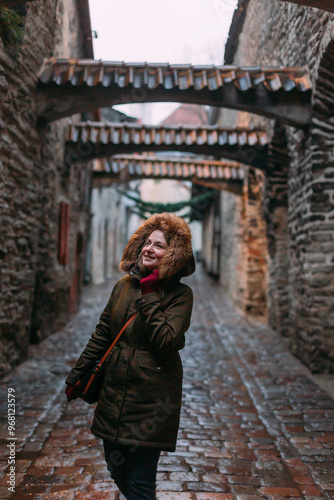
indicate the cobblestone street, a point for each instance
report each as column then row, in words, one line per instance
column 254, row 422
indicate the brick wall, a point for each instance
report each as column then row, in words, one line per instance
column 35, row 289
column 300, row 221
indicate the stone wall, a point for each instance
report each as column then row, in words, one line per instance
column 299, row 197
column 35, row 289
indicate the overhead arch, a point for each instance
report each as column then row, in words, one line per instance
column 89, row 140
column 208, row 173
column 69, row 86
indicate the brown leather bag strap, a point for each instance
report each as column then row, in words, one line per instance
column 116, row 339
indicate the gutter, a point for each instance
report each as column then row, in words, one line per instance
column 237, row 24
column 86, row 28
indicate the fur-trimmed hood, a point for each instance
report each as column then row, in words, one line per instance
column 179, row 259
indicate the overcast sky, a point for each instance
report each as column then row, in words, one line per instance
column 177, row 31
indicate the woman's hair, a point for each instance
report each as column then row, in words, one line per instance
column 141, row 266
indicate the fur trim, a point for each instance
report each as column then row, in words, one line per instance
column 178, row 260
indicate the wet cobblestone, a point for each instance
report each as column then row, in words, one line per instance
column 254, row 422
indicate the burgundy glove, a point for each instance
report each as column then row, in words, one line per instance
column 150, row 283
column 71, row 393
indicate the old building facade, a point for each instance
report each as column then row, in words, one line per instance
column 290, row 222
column 44, row 204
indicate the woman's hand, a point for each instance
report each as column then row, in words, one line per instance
column 150, row 283
column 71, row 393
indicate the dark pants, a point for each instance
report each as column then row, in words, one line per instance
column 133, row 469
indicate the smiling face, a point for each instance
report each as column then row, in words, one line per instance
column 154, row 249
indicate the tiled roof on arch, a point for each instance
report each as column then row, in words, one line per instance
column 184, row 76
column 88, row 140
column 106, row 132
column 68, row 86
column 211, row 173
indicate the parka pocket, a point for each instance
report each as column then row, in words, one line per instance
column 150, row 363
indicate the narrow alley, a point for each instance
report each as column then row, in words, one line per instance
column 254, row 422
column 210, row 123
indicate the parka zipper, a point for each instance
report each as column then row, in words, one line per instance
column 123, row 399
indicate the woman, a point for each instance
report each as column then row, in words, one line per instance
column 138, row 411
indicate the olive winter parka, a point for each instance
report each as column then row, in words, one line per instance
column 140, row 401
